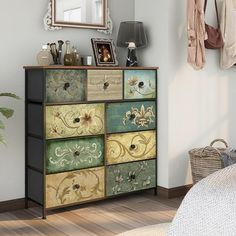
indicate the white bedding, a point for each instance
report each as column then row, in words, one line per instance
column 209, row 209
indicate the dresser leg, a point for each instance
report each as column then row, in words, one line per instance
column 26, row 203
column 44, row 217
column 155, row 191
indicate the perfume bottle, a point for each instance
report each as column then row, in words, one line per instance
column 68, row 57
column 76, row 58
column 44, row 57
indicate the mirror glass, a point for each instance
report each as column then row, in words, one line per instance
column 79, row 13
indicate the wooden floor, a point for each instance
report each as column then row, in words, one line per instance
column 105, row 218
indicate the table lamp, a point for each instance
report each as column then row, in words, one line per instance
column 131, row 35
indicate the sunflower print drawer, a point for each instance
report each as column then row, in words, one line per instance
column 65, row 85
column 74, row 120
column 139, row 84
column 124, row 178
column 132, row 116
column 130, row 147
column 74, row 154
column 74, row 187
column 104, row 85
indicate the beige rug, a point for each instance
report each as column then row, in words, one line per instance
column 150, row 230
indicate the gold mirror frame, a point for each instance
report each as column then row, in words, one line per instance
column 56, row 23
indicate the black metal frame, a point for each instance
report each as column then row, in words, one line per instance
column 44, row 104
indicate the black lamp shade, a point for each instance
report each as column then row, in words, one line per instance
column 131, row 32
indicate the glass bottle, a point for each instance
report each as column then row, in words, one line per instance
column 68, row 57
column 44, row 57
column 76, row 57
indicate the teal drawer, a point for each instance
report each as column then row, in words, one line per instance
column 74, row 154
column 65, row 85
column 139, row 84
column 130, row 177
column 132, row 116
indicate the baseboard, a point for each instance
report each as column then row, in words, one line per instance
column 173, row 192
column 14, row 205
column 18, row 204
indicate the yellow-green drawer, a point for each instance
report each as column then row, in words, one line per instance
column 129, row 147
column 74, row 187
column 74, row 120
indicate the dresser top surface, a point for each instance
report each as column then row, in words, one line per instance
column 90, row 67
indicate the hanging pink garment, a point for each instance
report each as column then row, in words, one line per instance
column 196, row 34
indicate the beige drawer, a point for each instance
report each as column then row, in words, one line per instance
column 74, row 120
column 130, row 147
column 104, row 85
column 72, row 187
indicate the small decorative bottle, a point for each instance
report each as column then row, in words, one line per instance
column 68, row 57
column 76, row 57
column 44, row 57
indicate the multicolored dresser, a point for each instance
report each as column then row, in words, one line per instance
column 90, row 133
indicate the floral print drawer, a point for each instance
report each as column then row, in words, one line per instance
column 65, row 85
column 74, row 120
column 74, row 154
column 124, row 178
column 139, row 84
column 129, row 147
column 104, row 85
column 74, row 187
column 132, row 116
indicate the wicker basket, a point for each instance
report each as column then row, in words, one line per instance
column 205, row 161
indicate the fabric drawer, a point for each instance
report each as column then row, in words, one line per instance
column 104, row 85
column 139, row 84
column 124, row 178
column 74, row 187
column 132, row 116
column 75, row 154
column 65, row 85
column 74, row 120
column 129, row 147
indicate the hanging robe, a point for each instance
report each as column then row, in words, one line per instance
column 196, row 34
column 228, row 29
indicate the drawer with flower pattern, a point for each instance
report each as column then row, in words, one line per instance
column 75, row 154
column 74, row 120
column 104, row 85
column 128, row 147
column 131, row 116
column 74, row 187
column 65, row 85
column 139, row 84
column 124, row 178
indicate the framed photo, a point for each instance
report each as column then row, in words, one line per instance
column 104, row 52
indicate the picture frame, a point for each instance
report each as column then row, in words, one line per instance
column 104, row 52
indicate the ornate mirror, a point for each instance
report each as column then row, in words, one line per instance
column 80, row 13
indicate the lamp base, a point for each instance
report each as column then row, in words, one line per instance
column 131, row 58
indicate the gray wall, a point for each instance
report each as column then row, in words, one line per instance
column 22, row 35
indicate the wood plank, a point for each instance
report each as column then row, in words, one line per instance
column 107, row 222
column 62, row 223
column 16, row 226
column 88, row 224
column 38, row 224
